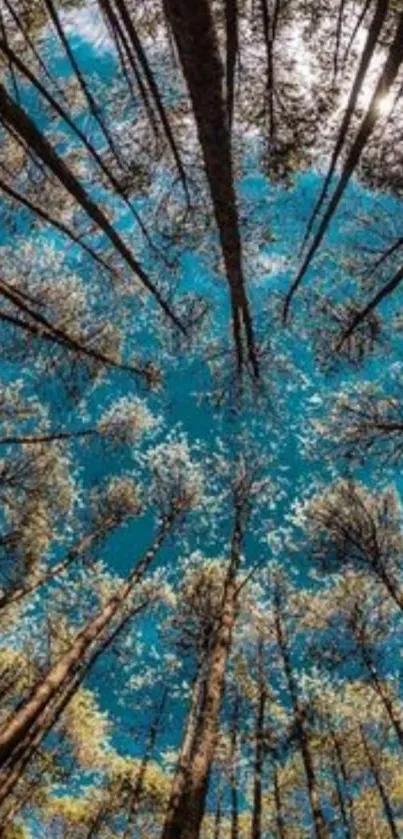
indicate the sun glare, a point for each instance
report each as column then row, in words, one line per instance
column 384, row 104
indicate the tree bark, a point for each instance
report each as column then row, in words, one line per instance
column 193, row 29
column 366, row 57
column 19, row 198
column 386, row 79
column 23, row 720
column 218, row 814
column 381, row 692
column 29, row 744
column 256, row 832
column 64, row 115
column 139, row 785
column 233, row 768
column 320, row 827
column 149, row 76
column 188, row 797
column 340, row 799
column 25, row 128
column 232, row 47
column 379, row 785
column 279, row 806
column 92, row 105
column 269, row 23
column 339, row 760
column 18, row 593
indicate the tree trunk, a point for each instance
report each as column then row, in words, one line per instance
column 279, row 806
column 16, row 118
column 18, row 804
column 193, row 29
column 269, row 23
column 49, row 716
column 37, row 210
column 320, row 826
column 19, row 592
column 23, row 720
column 256, row 832
column 29, row 744
column 387, row 579
column 92, row 105
column 381, row 692
column 187, row 802
column 232, row 46
column 339, row 760
column 218, row 814
column 64, row 115
column 340, row 799
column 366, row 57
column 179, row 785
column 380, row 787
column 386, row 79
column 139, row 785
column 143, row 61
column 233, row 768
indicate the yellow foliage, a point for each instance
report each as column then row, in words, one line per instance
column 75, row 811
column 88, row 728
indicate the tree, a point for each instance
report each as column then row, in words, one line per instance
column 350, row 525
column 35, row 717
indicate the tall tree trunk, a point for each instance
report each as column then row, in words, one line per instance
column 194, row 32
column 382, row 693
column 232, row 47
column 42, row 329
column 218, row 813
column 16, row 806
column 379, row 785
column 280, row 824
column 365, row 7
column 339, row 30
column 319, row 820
column 256, row 831
column 134, row 40
column 39, row 211
column 233, row 768
column 388, row 76
column 366, row 57
column 17, row 119
column 24, row 33
column 50, row 715
column 180, row 781
column 388, row 580
column 339, row 760
column 269, row 23
column 14, row 595
column 363, row 313
column 186, row 806
column 340, row 799
column 92, row 105
column 64, row 115
column 135, row 798
column 23, row 720
column 29, row 744
column 125, row 53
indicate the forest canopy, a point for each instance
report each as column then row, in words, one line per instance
column 201, row 419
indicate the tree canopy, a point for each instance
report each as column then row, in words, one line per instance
column 201, row 419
